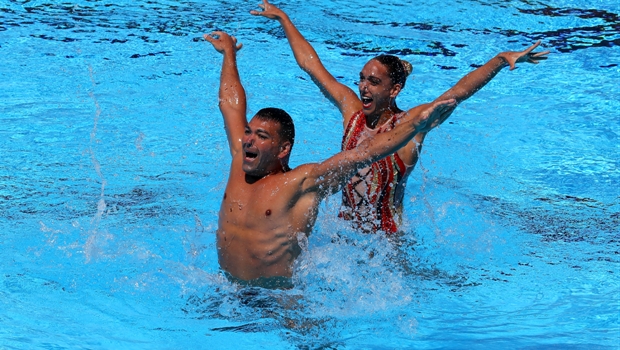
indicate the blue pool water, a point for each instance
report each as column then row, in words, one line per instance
column 113, row 161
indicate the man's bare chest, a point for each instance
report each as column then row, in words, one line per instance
column 254, row 205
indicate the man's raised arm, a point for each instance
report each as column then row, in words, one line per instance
column 232, row 95
column 476, row 80
column 327, row 177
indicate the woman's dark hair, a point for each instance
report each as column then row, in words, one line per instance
column 287, row 128
column 397, row 68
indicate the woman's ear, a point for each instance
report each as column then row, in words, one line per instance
column 395, row 90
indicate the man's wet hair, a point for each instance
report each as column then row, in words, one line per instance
column 398, row 69
column 287, row 128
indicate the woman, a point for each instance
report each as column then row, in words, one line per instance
column 373, row 197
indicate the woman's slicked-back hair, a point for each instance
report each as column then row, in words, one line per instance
column 398, row 69
column 287, row 128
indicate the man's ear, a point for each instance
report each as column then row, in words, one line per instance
column 285, row 149
column 395, row 90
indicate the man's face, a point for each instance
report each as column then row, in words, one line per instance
column 375, row 87
column 261, row 146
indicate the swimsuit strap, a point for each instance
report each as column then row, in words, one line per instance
column 353, row 131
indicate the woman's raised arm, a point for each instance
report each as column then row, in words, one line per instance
column 344, row 98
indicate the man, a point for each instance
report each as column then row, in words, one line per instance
column 266, row 204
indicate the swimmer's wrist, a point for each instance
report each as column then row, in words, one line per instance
column 283, row 18
column 503, row 62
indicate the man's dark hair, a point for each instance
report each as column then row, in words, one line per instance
column 397, row 68
column 287, row 128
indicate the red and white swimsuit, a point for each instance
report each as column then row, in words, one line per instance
column 372, row 199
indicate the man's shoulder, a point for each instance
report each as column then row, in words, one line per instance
column 304, row 167
column 301, row 170
column 297, row 177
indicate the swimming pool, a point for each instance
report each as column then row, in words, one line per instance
column 113, row 163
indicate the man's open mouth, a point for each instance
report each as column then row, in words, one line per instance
column 251, row 155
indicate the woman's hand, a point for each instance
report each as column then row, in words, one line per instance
column 269, row 11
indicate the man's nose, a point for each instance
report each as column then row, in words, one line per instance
column 247, row 139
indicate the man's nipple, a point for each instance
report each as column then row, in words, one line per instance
column 268, row 212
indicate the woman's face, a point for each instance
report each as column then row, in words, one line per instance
column 376, row 89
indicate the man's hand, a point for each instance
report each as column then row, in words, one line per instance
column 223, row 42
column 269, row 11
column 512, row 57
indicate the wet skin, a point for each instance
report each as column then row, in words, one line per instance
column 377, row 93
column 267, row 207
column 262, row 215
